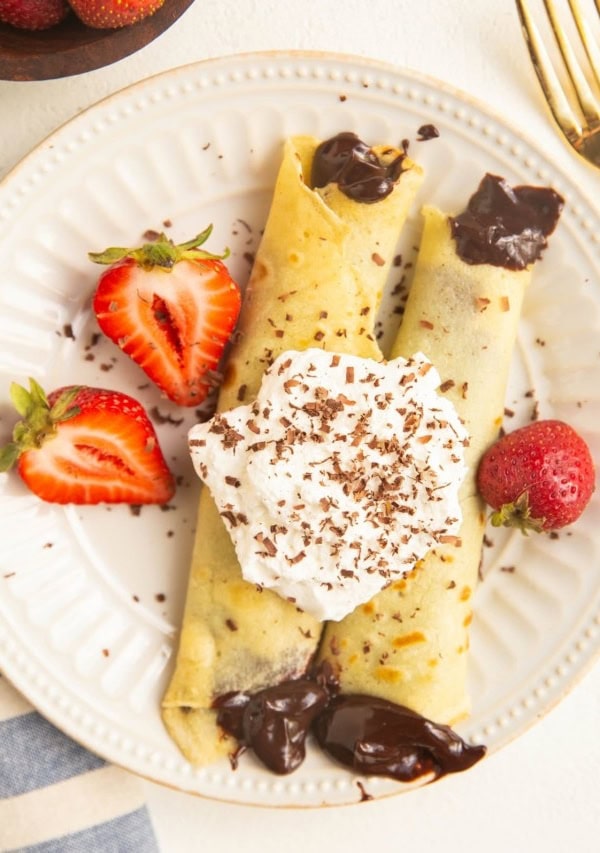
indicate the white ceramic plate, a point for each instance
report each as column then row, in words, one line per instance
column 91, row 598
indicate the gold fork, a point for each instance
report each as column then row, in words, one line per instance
column 578, row 117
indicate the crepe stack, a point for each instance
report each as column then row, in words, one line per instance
column 317, row 280
column 409, row 644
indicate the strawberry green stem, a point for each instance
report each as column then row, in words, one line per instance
column 38, row 420
column 161, row 252
column 517, row 514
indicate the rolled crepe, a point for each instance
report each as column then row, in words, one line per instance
column 409, row 644
column 317, row 280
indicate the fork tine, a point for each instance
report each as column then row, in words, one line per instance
column 586, row 99
column 591, row 46
column 555, row 96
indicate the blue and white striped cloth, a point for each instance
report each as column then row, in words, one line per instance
column 56, row 797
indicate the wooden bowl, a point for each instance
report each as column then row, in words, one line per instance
column 72, row 48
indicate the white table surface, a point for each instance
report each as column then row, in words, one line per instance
column 541, row 792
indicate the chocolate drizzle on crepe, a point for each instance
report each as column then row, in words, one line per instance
column 274, row 722
column 357, row 170
column 369, row 735
column 505, row 226
column 378, row 738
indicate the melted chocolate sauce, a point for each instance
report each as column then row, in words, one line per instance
column 377, row 738
column 274, row 722
column 505, row 226
column 346, row 160
column 369, row 735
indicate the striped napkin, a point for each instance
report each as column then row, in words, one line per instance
column 56, row 797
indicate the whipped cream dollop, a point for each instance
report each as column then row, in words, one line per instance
column 340, row 476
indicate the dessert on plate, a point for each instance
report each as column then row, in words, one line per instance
column 329, row 242
column 332, row 471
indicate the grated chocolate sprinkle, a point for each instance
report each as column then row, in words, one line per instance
column 346, row 465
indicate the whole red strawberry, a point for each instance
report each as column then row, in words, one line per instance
column 539, row 477
column 86, row 445
column 109, row 14
column 33, row 14
column 172, row 309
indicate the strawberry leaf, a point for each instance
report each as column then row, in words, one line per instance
column 38, row 395
column 63, row 409
column 110, row 256
column 21, row 399
column 8, row 456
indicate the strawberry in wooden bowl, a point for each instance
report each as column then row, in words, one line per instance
column 33, row 14
column 109, row 14
column 38, row 46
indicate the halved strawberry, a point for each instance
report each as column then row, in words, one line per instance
column 172, row 309
column 86, row 445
